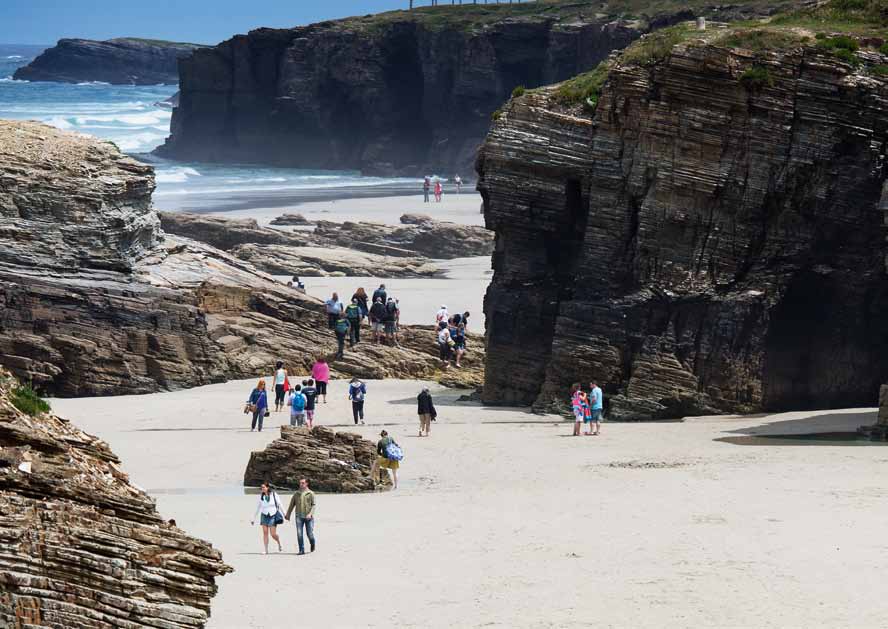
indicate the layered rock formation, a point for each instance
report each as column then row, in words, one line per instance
column 97, row 300
column 409, row 92
column 80, row 547
column 123, row 61
column 335, row 462
column 706, row 241
column 227, row 233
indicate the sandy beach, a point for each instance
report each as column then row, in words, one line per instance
column 502, row 520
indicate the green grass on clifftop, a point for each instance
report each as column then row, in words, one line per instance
column 26, row 400
column 583, row 89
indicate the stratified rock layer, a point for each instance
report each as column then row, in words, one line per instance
column 702, row 244
column 123, row 61
column 335, row 462
column 82, row 548
column 96, row 300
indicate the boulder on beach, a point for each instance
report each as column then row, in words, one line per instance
column 335, row 462
column 290, row 219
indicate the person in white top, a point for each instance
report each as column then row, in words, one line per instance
column 269, row 507
column 280, row 388
column 442, row 315
column 444, row 342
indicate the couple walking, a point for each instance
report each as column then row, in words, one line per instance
column 271, row 515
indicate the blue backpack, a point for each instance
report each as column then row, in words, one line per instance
column 298, row 402
column 393, row 452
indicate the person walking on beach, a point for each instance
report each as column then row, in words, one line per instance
column 380, row 294
column 311, row 394
column 596, row 404
column 357, row 390
column 425, row 408
column 458, row 181
column 386, row 458
column 280, row 388
column 334, row 310
column 297, row 407
column 321, row 374
column 354, row 315
column 303, row 503
column 257, row 403
column 361, row 296
column 426, row 184
column 578, row 406
column 342, row 330
column 269, row 507
column 439, row 191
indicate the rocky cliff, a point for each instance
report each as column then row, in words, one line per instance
column 80, row 547
column 700, row 234
column 95, row 299
column 407, row 92
column 123, row 61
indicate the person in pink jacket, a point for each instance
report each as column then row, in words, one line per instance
column 321, row 374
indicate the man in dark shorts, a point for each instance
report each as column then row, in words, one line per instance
column 311, row 394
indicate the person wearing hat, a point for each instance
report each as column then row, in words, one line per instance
column 425, row 408
column 442, row 315
column 357, row 390
column 382, row 461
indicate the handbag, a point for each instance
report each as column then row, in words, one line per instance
column 278, row 516
column 249, row 408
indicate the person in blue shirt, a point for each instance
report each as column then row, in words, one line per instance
column 258, row 403
column 356, row 392
column 298, row 403
column 596, row 403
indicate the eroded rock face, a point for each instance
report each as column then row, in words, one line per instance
column 226, row 233
column 123, row 61
column 697, row 245
column 80, row 547
column 96, row 300
column 335, row 462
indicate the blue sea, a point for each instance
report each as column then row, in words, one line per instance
column 137, row 120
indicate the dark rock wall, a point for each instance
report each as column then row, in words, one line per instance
column 697, row 246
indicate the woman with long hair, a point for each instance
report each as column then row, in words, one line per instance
column 363, row 300
column 280, row 377
column 258, row 404
column 269, row 508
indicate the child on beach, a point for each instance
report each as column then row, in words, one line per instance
column 297, row 407
column 578, row 405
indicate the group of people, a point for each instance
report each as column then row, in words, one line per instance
column 301, row 398
column 451, row 330
column 430, row 186
column 587, row 408
column 382, row 310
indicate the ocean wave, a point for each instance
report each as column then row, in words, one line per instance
column 143, row 119
column 345, row 183
column 93, row 83
column 59, row 122
column 13, row 57
column 176, row 175
column 9, row 79
column 138, row 142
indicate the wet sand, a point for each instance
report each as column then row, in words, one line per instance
column 503, row 520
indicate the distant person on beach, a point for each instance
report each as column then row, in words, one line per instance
column 257, row 404
column 439, row 191
column 357, row 390
column 354, row 316
column 578, row 406
column 280, row 386
column 444, row 343
column 442, row 315
column 303, row 503
column 361, row 296
column 342, row 329
column 425, row 408
column 269, row 507
column 321, row 374
column 458, row 181
column 380, row 294
column 386, row 458
column 311, row 394
column 426, row 185
column 377, row 319
column 596, row 405
column 297, row 283
column 334, row 310
column 297, row 407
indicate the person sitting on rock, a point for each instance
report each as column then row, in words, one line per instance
column 377, row 319
column 310, row 394
column 303, row 503
column 297, row 407
column 341, row 329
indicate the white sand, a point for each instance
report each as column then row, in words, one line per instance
column 504, row 521
column 462, row 208
column 462, row 290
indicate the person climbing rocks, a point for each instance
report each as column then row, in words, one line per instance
column 334, row 309
column 320, row 371
column 257, row 404
column 297, row 407
column 385, row 459
column 354, row 315
column 380, row 294
column 357, row 390
column 425, row 408
column 269, row 507
column 596, row 405
column 444, row 343
column 311, row 395
column 377, row 320
column 363, row 302
column 459, row 342
column 280, row 388
column 426, row 185
column 442, row 315
column 342, row 329
column 303, row 503
column 389, row 320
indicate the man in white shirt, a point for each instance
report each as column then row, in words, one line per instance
column 442, row 315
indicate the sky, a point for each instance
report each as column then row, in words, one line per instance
column 198, row 21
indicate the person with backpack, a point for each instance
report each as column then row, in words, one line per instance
column 354, row 315
column 257, row 404
column 357, row 390
column 389, row 321
column 341, row 329
column 303, row 503
column 297, row 407
column 377, row 318
column 389, row 457
column 425, row 407
column 311, row 395
column 321, row 374
column 380, row 294
column 269, row 507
